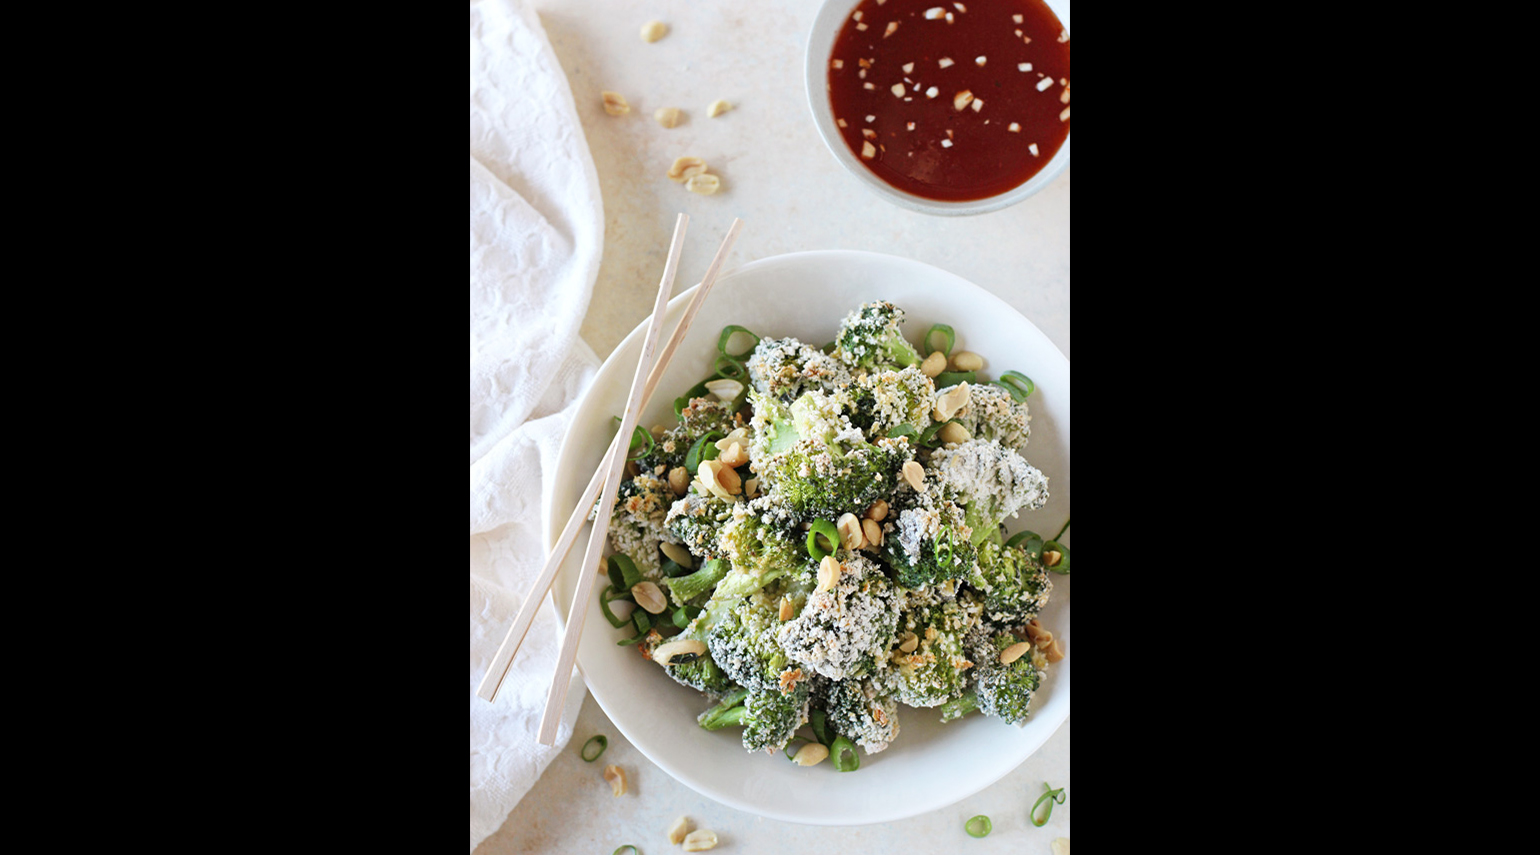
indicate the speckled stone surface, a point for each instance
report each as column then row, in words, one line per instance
column 792, row 196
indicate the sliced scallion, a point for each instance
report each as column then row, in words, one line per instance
column 1060, row 564
column 634, row 850
column 1018, row 384
column 951, row 339
column 604, row 605
column 639, row 437
column 623, row 572
column 704, row 449
column 979, row 826
column 796, row 742
column 1031, row 541
column 843, row 755
column 1052, row 797
column 952, row 378
column 819, row 720
column 829, row 533
column 727, row 333
column 601, row 741
column 1062, row 530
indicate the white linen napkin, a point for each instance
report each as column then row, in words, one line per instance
column 537, row 230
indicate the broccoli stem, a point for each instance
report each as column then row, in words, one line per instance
column 729, row 711
column 960, row 706
column 702, row 580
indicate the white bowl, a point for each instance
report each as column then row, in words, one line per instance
column 929, row 765
column 820, row 44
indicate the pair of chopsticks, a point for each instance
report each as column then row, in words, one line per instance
column 604, row 480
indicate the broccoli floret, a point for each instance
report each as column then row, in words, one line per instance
column 991, row 413
column 840, row 632
column 816, row 463
column 1015, row 587
column 771, row 717
column 785, row 368
column 1002, row 691
column 701, row 672
column 927, row 542
column 701, row 416
column 760, row 552
column 741, row 639
column 637, row 523
column 883, row 400
column 860, row 712
column 696, row 521
column 990, row 481
column 871, row 337
column 936, row 671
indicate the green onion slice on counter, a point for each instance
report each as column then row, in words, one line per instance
column 1052, row 797
column 979, row 826
column 599, row 740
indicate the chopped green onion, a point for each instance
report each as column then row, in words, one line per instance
column 623, row 572
column 1018, row 384
column 634, row 850
column 952, row 378
column 979, row 826
column 1062, row 530
column 635, row 639
column 639, row 436
column 703, row 449
column 686, row 613
column 819, row 720
column 673, row 569
column 904, row 429
column 929, row 439
column 829, row 532
column 944, row 547
column 1060, row 565
column 1053, row 797
column 642, row 619
column 843, row 755
column 598, row 739
column 1031, row 541
column 951, row 339
column 727, row 334
column 604, row 605
column 738, row 371
column 798, row 741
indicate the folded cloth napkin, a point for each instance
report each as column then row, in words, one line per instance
column 537, row 228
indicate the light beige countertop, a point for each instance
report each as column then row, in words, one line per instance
column 792, row 196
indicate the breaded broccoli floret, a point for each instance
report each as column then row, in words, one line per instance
column 990, row 481
column 937, row 670
column 1001, row 691
column 741, row 639
column 816, row 463
column 883, row 400
column 784, row 368
column 871, row 337
column 1015, row 587
column 696, row 521
column 861, row 713
column 637, row 523
column 991, row 413
column 841, row 632
column 927, row 542
column 760, row 552
column 702, row 672
column 771, row 717
column 701, row 416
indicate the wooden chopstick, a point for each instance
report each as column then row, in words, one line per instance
column 498, row 668
column 561, row 679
